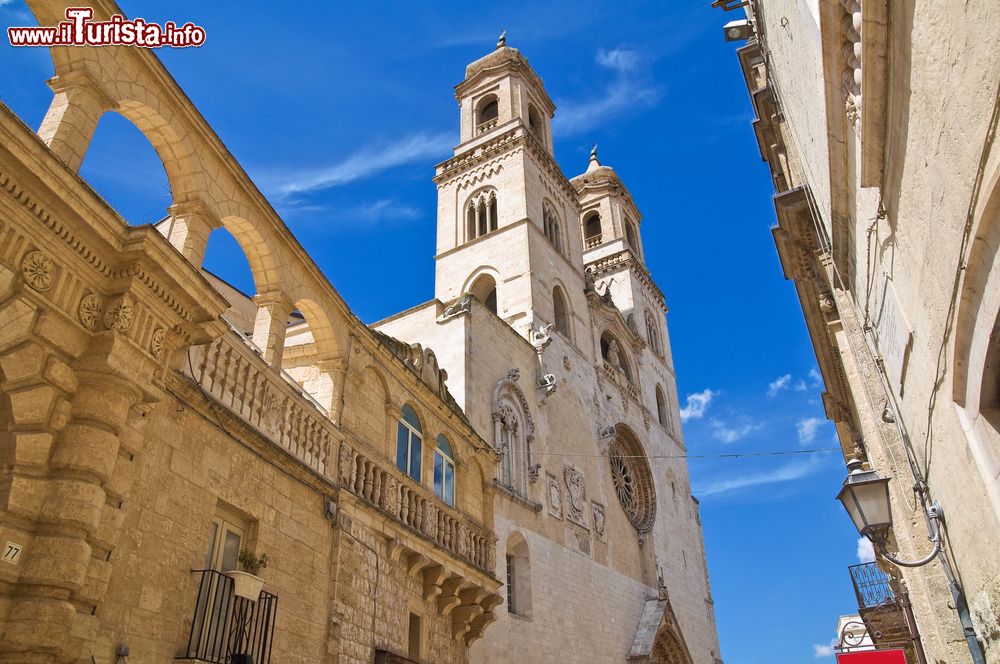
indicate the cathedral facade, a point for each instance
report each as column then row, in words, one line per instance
column 555, row 341
column 496, row 475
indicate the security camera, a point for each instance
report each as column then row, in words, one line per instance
column 737, row 30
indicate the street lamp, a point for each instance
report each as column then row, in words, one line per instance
column 865, row 496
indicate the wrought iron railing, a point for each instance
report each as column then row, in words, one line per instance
column 227, row 629
column 871, row 586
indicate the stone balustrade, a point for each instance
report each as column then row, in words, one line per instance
column 618, row 377
column 591, row 242
column 416, row 507
column 485, row 126
column 235, row 376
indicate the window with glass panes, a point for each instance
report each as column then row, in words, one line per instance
column 408, row 444
column 444, row 471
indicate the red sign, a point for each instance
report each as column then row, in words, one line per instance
column 872, row 657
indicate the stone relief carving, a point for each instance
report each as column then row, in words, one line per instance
column 540, row 339
column 271, row 414
column 39, row 271
column 598, row 511
column 576, row 494
column 461, row 306
column 156, row 343
column 555, row 496
column 89, row 311
column 120, row 315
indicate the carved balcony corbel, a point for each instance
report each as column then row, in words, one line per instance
column 433, row 576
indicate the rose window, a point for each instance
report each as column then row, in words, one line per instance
column 633, row 482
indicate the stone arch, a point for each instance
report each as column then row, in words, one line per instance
column 669, row 648
column 562, row 313
column 514, row 432
column 483, row 285
column 517, row 576
column 662, row 408
column 976, row 350
column 592, row 230
column 614, row 354
column 632, row 479
column 487, row 109
column 481, row 213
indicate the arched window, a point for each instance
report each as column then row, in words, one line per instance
column 653, row 334
column 481, row 214
column 535, row 123
column 552, row 227
column 518, row 576
column 592, row 229
column 662, row 413
column 631, row 236
column 513, row 432
column 408, row 443
column 561, row 312
column 614, row 355
column 486, row 117
column 444, row 471
column 484, row 289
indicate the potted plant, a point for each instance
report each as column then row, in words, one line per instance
column 248, row 584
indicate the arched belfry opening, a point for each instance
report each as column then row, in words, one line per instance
column 484, row 289
column 488, row 110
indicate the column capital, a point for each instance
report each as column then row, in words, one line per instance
column 273, row 300
column 80, row 80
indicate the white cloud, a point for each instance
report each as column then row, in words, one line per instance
column 787, row 473
column 629, row 92
column 778, row 384
column 825, row 650
column 866, row 552
column 365, row 162
column 817, row 377
column 800, row 385
column 620, row 59
column 807, row 429
column 731, row 434
column 697, row 404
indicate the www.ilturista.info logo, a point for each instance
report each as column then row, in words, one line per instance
column 79, row 30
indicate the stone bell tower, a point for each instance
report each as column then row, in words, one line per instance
column 507, row 216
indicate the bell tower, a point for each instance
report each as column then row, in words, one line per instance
column 508, row 230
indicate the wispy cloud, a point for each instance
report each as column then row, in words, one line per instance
column 816, row 376
column 800, row 385
column 825, row 649
column 363, row 215
column 787, row 473
column 778, row 384
column 365, row 162
column 807, row 429
column 866, row 552
column 628, row 92
column 696, row 404
column 730, row 434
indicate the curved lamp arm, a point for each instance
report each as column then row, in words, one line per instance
column 934, row 515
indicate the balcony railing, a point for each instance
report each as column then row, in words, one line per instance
column 239, row 379
column 871, row 586
column 416, row 507
column 485, row 126
column 591, row 242
column 618, row 377
column 227, row 629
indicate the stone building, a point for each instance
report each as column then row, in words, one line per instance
column 555, row 342
column 506, row 454
column 877, row 121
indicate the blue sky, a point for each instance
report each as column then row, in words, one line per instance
column 339, row 112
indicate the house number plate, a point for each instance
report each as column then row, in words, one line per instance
column 11, row 553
